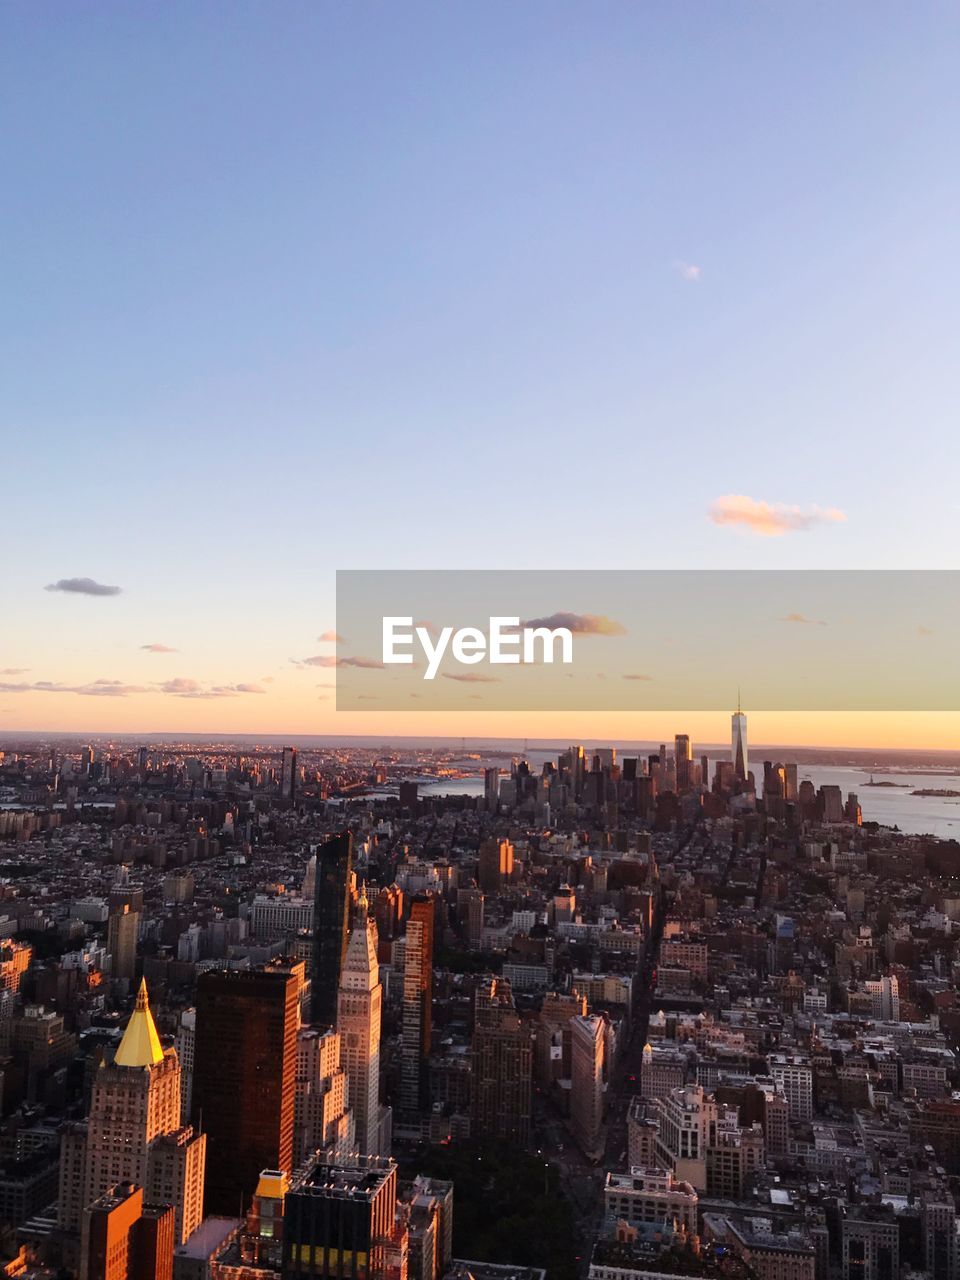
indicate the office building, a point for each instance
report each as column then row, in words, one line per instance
column 331, row 917
column 739, row 755
column 288, row 774
column 502, row 1065
column 494, row 864
column 133, row 1133
column 340, row 1219
column 683, row 759
column 244, row 1079
column 587, row 1050
column 417, row 1006
column 650, row 1197
column 125, row 1240
column 322, row 1119
column 685, row 1120
column 123, row 928
column 359, row 1011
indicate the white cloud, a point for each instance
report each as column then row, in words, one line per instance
column 769, row 519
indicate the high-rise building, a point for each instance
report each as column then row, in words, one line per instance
column 340, row 1220
column 331, row 915
column 502, row 1065
column 683, row 758
column 185, row 1041
column 738, row 745
column 134, row 1133
column 123, row 927
column 494, row 864
column 359, row 1010
column 322, row 1120
column 288, row 774
column 125, row 1240
column 587, row 1045
column 685, row 1118
column 470, row 912
column 417, row 1006
column 244, row 1078
column 491, row 788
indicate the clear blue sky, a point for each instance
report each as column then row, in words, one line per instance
column 296, row 286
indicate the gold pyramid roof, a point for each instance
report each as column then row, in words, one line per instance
column 140, row 1046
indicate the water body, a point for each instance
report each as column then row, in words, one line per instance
column 890, row 806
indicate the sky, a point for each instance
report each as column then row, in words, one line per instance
column 301, row 287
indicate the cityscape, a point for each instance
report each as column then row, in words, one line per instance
column 480, row 650
column 423, row 1013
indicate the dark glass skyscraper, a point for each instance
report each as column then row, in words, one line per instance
column 244, row 1079
column 330, row 923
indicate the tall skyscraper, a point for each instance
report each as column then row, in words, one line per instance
column 683, row 756
column 502, row 1065
column 741, row 763
column 244, row 1079
column 359, row 1008
column 491, row 788
column 288, row 774
column 494, row 864
column 134, row 1134
column 417, row 1006
column 123, row 927
column 331, row 916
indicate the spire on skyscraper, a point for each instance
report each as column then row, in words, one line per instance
column 140, row 1046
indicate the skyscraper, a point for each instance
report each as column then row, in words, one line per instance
column 123, row 927
column 331, row 916
column 359, row 1007
column 417, row 1006
column 587, row 1047
column 134, row 1133
column 741, row 763
column 288, row 774
column 494, row 864
column 683, row 757
column 502, row 1065
column 244, row 1079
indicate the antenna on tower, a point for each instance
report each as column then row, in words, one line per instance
column 738, row 700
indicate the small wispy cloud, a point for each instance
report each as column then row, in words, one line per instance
column 13, row 671
column 330, row 637
column 924, row 631
column 581, row 624
column 803, row 620
column 185, row 687
column 82, row 587
column 469, row 677
column 769, row 519
column 157, row 648
column 181, row 687
column 688, row 271
column 630, row 675
column 93, row 689
column 328, row 660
